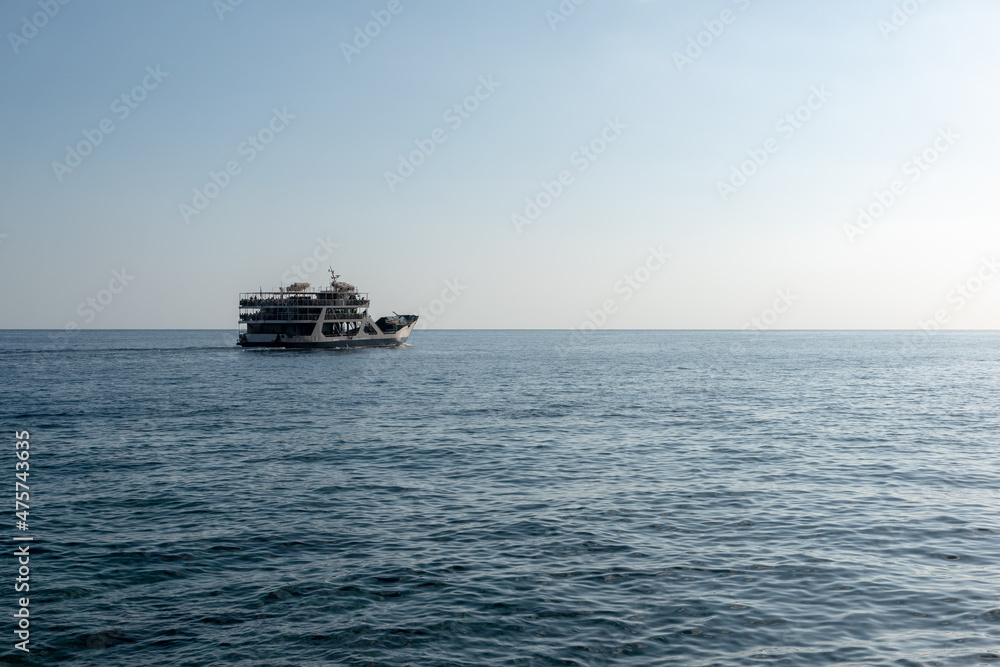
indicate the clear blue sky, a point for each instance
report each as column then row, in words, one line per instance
column 673, row 129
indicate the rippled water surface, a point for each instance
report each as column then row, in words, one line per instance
column 510, row 498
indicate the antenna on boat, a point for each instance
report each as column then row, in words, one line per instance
column 333, row 276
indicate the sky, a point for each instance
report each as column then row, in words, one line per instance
column 611, row 164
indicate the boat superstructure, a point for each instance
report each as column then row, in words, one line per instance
column 334, row 316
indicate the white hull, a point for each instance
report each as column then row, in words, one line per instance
column 362, row 339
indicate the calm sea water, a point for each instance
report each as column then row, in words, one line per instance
column 509, row 498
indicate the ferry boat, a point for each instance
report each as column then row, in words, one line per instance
column 333, row 316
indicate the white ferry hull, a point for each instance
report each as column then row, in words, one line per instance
column 320, row 341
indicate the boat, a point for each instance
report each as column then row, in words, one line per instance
column 335, row 316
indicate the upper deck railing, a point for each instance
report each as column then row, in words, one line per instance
column 282, row 299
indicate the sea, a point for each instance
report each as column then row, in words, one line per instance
column 505, row 498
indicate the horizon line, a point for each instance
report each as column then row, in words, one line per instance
column 589, row 331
